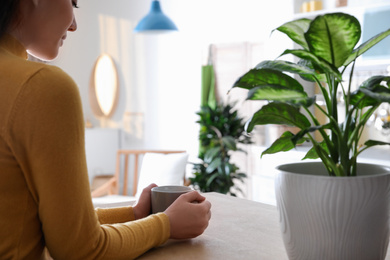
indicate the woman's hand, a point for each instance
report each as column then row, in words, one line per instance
column 189, row 215
column 143, row 206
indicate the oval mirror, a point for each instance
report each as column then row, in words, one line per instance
column 103, row 92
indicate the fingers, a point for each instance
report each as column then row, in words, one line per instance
column 145, row 194
column 142, row 208
column 206, row 207
column 189, row 219
column 149, row 187
column 193, row 196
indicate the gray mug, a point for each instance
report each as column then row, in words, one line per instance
column 164, row 196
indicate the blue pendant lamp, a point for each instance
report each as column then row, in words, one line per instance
column 155, row 21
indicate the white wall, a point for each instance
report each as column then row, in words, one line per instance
column 160, row 75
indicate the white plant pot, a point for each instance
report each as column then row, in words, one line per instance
column 325, row 217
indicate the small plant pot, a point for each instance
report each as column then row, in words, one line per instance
column 325, row 217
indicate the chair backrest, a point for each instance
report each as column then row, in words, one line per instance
column 138, row 156
column 135, row 157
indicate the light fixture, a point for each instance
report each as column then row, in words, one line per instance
column 155, row 21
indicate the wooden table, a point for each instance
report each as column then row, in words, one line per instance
column 238, row 229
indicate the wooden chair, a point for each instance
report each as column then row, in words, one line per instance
column 111, row 186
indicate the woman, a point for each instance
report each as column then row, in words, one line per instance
column 44, row 191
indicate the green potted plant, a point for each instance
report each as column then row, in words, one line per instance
column 221, row 130
column 336, row 208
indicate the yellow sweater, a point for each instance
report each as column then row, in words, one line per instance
column 44, row 191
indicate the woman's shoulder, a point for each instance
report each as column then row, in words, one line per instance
column 24, row 81
column 48, row 77
column 47, row 71
column 21, row 72
column 47, row 85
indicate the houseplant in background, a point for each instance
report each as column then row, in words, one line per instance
column 221, row 133
column 336, row 208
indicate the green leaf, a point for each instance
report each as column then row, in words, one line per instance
column 213, row 165
column 276, row 93
column 229, row 168
column 371, row 92
column 321, row 65
column 361, row 100
column 295, row 30
column 308, row 64
column 211, row 153
column 211, row 179
column 373, row 81
column 283, row 144
column 280, row 114
column 271, row 84
column 366, row 46
column 241, row 175
column 287, row 66
column 370, row 143
column 333, row 36
column 229, row 142
column 300, row 135
column 312, row 154
column 380, row 93
column 258, row 77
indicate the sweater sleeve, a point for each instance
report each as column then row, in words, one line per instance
column 48, row 133
column 115, row 215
